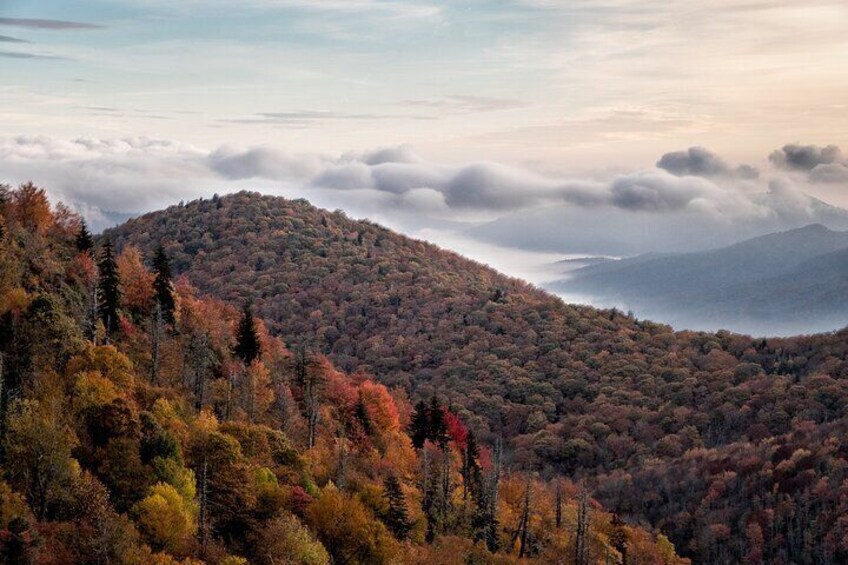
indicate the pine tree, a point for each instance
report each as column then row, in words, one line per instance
column 472, row 474
column 84, row 241
column 247, row 340
column 420, row 425
column 438, row 429
column 109, row 287
column 397, row 517
column 163, row 285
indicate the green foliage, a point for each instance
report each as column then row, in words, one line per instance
column 84, row 241
column 109, row 288
column 247, row 340
column 397, row 516
column 163, row 286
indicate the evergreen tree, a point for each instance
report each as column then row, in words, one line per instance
column 438, row 428
column 84, row 241
column 109, row 288
column 397, row 517
column 163, row 285
column 247, row 340
column 472, row 474
column 420, row 425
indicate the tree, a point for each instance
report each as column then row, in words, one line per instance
column 247, row 340
column 32, row 208
column 163, row 285
column 437, row 427
column 284, row 540
column 348, row 531
column 40, row 444
column 397, row 517
column 581, row 544
column 109, row 287
column 84, row 241
column 168, row 519
column 618, row 536
column 420, row 425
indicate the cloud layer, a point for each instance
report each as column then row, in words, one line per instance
column 688, row 195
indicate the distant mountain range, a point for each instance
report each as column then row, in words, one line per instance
column 784, row 283
column 623, row 233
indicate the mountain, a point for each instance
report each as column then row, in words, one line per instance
column 701, row 435
column 185, row 434
column 626, row 233
column 783, row 283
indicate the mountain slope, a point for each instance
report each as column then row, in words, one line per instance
column 575, row 390
column 778, row 283
column 211, row 455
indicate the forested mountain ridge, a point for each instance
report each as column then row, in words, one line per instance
column 144, row 423
column 589, row 393
column 779, row 283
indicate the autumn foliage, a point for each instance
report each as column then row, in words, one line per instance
column 139, row 438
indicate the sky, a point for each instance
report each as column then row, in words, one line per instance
column 517, row 131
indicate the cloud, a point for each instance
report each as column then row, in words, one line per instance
column 395, row 185
column 820, row 164
column 697, row 161
column 262, row 162
column 8, row 39
column 463, row 104
column 38, row 56
column 308, row 118
column 805, row 157
column 47, row 24
column 830, row 172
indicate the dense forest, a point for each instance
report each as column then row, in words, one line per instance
column 734, row 447
column 142, row 421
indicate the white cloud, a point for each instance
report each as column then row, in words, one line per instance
column 398, row 187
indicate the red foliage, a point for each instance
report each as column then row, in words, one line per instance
column 456, row 429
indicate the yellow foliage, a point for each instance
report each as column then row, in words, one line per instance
column 12, row 505
column 15, row 300
column 106, row 359
column 93, row 389
column 166, row 518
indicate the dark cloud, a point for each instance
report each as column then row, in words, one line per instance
column 698, row 161
column 805, row 157
column 7, row 39
column 46, row 24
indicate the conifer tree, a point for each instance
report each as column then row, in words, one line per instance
column 420, row 425
column 397, row 517
column 84, row 241
column 247, row 340
column 163, row 285
column 438, row 429
column 109, row 288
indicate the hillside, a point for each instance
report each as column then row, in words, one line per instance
column 181, row 432
column 781, row 283
column 591, row 394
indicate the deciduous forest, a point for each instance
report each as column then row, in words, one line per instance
column 144, row 420
column 732, row 446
